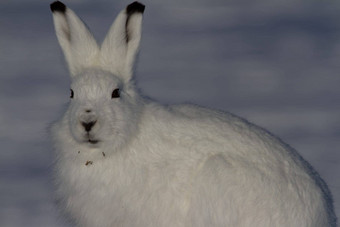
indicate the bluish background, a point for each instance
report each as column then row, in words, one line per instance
column 276, row 63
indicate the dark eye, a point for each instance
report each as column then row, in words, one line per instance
column 115, row 93
column 72, row 94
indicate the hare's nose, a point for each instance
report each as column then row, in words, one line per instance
column 88, row 125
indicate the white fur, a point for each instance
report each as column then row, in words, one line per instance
column 175, row 166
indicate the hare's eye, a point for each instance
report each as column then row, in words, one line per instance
column 72, row 94
column 115, row 93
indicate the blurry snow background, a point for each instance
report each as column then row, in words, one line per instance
column 276, row 63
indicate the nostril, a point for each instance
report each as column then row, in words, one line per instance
column 88, row 125
column 88, row 111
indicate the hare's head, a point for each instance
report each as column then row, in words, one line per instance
column 104, row 106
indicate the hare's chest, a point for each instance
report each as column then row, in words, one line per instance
column 95, row 192
column 125, row 194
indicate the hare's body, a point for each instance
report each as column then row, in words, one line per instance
column 125, row 161
column 188, row 166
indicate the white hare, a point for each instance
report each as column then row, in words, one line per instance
column 123, row 160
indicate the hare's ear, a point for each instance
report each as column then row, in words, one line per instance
column 79, row 46
column 121, row 44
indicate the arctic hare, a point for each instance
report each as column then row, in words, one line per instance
column 123, row 160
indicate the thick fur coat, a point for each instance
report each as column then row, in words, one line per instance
column 123, row 160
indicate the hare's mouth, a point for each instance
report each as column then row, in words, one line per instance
column 91, row 141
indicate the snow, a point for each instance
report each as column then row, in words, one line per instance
column 275, row 63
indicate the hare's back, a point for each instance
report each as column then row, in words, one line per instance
column 232, row 134
column 199, row 133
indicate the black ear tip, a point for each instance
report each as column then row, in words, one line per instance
column 135, row 7
column 58, row 7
